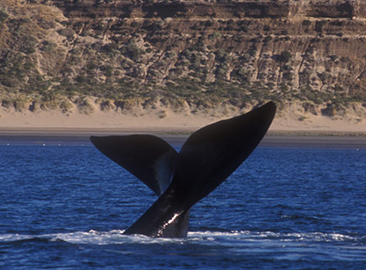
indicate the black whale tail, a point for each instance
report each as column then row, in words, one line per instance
column 206, row 159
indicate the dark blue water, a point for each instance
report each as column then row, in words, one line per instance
column 65, row 207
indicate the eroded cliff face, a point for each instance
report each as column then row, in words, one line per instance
column 196, row 54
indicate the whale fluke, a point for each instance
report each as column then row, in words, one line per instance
column 206, row 159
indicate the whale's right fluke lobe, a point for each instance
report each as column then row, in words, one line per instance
column 207, row 158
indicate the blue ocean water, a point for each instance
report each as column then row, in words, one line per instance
column 66, row 207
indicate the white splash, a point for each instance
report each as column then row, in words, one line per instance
column 170, row 221
column 239, row 238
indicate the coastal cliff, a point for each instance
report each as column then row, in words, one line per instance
column 191, row 57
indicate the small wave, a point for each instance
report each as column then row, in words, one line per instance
column 87, row 238
column 286, row 237
column 107, row 238
column 205, row 237
column 6, row 238
column 19, row 239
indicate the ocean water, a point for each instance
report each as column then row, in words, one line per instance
column 66, row 207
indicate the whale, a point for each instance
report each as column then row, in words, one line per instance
column 181, row 179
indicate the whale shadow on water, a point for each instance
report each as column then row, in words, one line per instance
column 206, row 159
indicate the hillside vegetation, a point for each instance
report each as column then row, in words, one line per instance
column 118, row 55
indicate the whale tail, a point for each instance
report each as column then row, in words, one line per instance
column 206, row 159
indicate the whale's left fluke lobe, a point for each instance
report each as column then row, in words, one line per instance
column 207, row 158
column 149, row 158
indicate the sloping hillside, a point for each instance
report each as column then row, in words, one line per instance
column 119, row 56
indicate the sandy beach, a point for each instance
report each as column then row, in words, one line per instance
column 164, row 120
column 57, row 128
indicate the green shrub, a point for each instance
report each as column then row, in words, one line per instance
column 3, row 16
column 135, row 24
column 20, row 104
column 266, row 28
column 84, row 106
column 319, row 26
column 333, row 57
column 162, row 114
column 288, row 76
column 285, row 56
column 48, row 46
column 66, row 32
column 133, row 51
column 215, row 36
column 267, row 39
column 107, row 105
column 306, row 23
column 65, row 106
column 6, row 103
column 28, row 45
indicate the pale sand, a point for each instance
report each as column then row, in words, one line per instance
column 162, row 121
column 52, row 127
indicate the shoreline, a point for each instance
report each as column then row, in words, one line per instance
column 158, row 130
column 176, row 137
